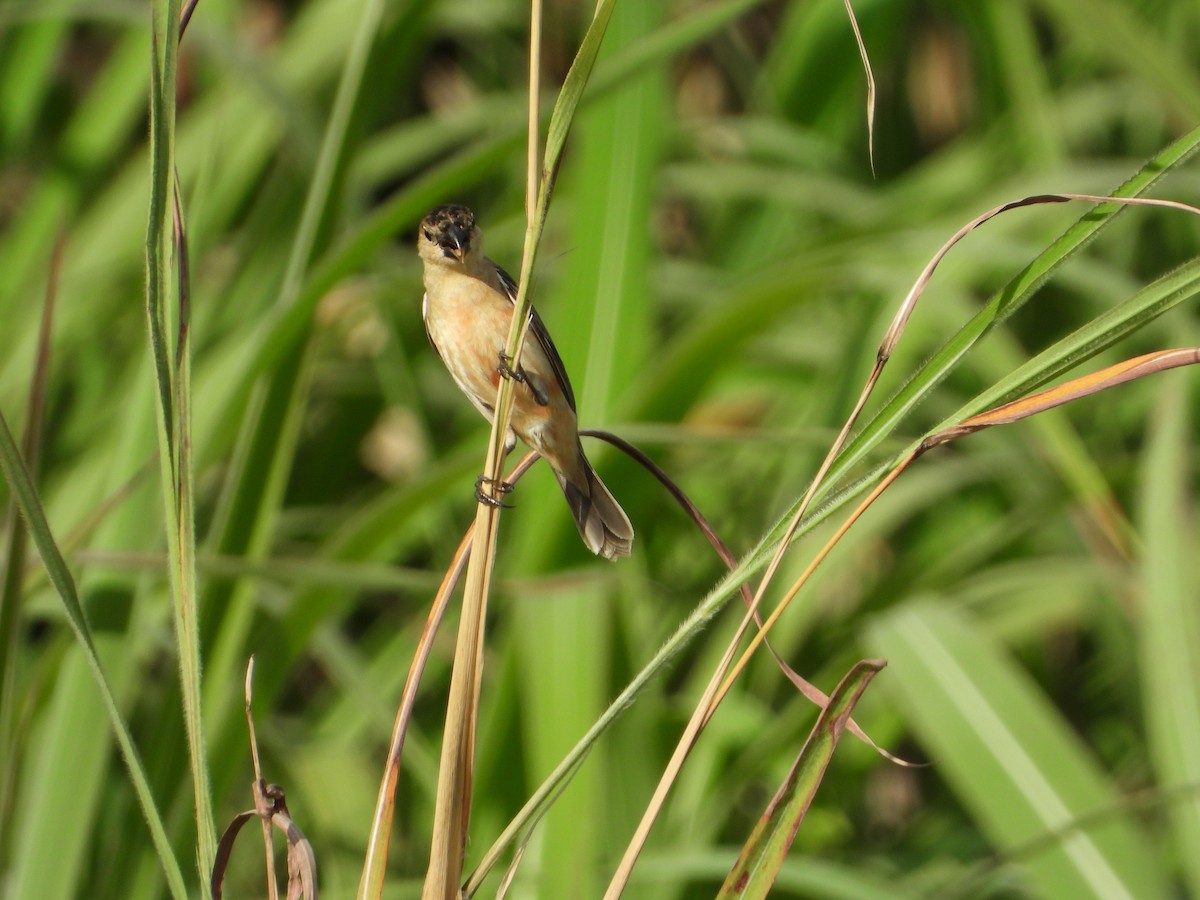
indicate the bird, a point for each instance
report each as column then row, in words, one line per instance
column 467, row 309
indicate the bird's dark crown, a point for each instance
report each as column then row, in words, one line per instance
column 449, row 226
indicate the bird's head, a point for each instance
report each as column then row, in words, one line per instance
column 448, row 233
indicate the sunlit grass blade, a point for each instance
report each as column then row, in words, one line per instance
column 1168, row 620
column 1168, row 291
column 1012, row 760
column 758, row 865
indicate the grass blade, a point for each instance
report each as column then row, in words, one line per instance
column 1168, row 625
column 172, row 372
column 965, row 698
column 452, row 811
column 758, row 866
column 23, row 490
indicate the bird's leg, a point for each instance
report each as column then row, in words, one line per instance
column 494, row 487
column 505, row 368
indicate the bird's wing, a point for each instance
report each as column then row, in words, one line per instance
column 538, row 329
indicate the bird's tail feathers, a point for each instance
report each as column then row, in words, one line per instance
column 602, row 523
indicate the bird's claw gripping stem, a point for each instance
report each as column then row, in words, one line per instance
column 495, row 489
column 505, row 368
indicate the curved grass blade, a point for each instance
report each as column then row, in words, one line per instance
column 26, row 496
column 761, row 858
column 1008, row 301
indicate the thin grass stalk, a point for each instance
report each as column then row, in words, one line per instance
column 375, row 863
column 866, row 64
column 452, row 811
column 533, row 138
column 259, row 782
column 452, row 808
column 173, row 379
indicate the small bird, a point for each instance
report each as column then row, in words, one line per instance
column 468, row 310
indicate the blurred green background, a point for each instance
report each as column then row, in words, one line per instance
column 719, row 267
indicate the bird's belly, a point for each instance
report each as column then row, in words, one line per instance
column 469, row 338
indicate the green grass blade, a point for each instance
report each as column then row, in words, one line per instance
column 1014, row 296
column 1013, row 760
column 1168, row 623
column 23, row 490
column 757, row 868
column 173, row 380
column 1096, row 336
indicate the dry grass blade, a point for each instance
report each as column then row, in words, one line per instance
column 453, row 801
column 758, row 865
column 896, row 329
column 375, row 862
column 270, row 807
column 725, row 673
column 866, row 62
column 185, row 16
column 301, row 860
column 216, row 884
column 802, row 684
column 1083, row 386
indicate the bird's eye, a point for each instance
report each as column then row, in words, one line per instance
column 428, row 234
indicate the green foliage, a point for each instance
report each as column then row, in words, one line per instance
column 718, row 269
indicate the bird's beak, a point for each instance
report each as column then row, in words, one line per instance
column 455, row 242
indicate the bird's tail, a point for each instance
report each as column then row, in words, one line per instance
column 602, row 523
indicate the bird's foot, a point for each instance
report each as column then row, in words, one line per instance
column 488, row 491
column 505, row 369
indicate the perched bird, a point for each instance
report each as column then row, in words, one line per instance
column 468, row 310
